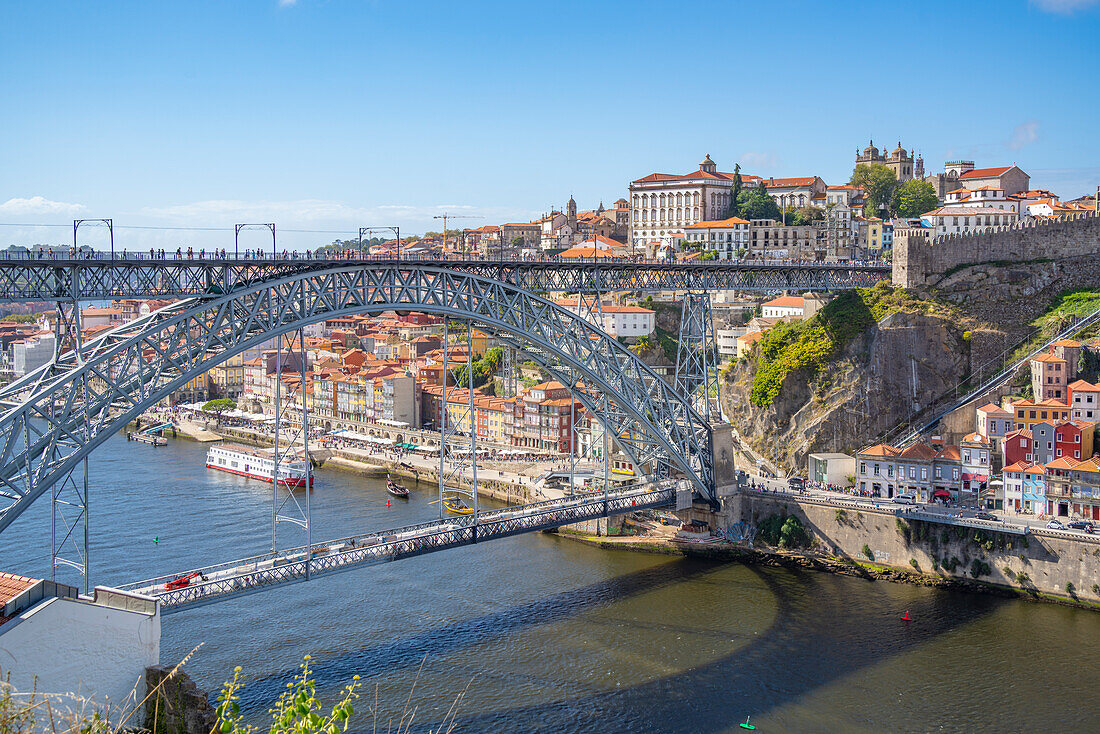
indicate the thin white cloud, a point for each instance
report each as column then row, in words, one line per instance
column 758, row 161
column 287, row 3
column 319, row 213
column 1025, row 133
column 39, row 205
column 1063, row 7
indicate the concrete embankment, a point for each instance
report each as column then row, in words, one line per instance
column 878, row 544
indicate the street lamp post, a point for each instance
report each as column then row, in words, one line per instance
column 237, row 234
column 368, row 230
column 109, row 223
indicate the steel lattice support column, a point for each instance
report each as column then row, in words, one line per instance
column 697, row 356
column 286, row 507
column 69, row 496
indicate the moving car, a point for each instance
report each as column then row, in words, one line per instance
column 797, row 483
column 905, row 498
column 1080, row 525
column 1055, row 525
column 986, row 516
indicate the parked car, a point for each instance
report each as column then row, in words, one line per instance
column 1080, row 525
column 796, row 483
column 905, row 498
column 1055, row 525
column 986, row 516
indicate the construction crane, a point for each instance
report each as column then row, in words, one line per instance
column 445, row 216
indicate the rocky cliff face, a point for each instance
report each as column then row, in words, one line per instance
column 899, row 364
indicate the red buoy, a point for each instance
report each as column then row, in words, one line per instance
column 387, row 503
column 905, row 617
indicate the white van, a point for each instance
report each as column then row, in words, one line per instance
column 905, row 498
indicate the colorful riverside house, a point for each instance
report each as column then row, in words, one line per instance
column 1025, row 488
column 977, row 453
column 1074, row 439
column 1085, row 489
column 1059, row 472
column 1035, row 490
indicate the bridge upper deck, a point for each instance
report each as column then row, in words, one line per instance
column 61, row 276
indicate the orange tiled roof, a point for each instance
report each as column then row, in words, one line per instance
column 787, row 302
column 881, row 449
column 12, row 585
column 789, row 183
column 985, row 172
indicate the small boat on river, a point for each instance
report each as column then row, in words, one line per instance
column 397, row 490
column 457, row 506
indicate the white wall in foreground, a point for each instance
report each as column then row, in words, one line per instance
column 99, row 649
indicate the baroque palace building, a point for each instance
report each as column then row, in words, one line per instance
column 665, row 203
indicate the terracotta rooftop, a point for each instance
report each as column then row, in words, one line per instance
column 12, row 585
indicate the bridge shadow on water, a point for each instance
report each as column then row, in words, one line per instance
column 409, row 651
column 825, row 628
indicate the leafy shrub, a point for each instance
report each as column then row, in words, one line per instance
column 1070, row 588
column 807, row 346
column 866, row 550
column 1022, row 578
column 904, row 530
column 979, row 568
column 914, row 564
column 950, row 563
column 1096, row 589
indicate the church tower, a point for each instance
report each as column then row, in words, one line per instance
column 571, row 211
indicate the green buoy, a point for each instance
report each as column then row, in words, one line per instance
column 747, row 725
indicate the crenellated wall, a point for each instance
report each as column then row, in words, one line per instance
column 921, row 259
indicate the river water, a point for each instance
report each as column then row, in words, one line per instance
column 545, row 634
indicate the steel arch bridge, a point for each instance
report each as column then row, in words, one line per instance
column 101, row 277
column 54, row 417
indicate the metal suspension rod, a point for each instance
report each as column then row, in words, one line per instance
column 470, row 409
column 443, row 416
column 606, row 454
column 572, row 428
column 278, row 425
column 305, row 452
column 87, row 560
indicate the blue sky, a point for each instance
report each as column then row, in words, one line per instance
column 333, row 114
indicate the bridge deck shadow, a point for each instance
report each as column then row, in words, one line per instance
column 789, row 660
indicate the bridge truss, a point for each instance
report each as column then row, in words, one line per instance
column 132, row 277
column 53, row 418
column 251, row 575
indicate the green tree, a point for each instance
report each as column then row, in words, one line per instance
column 913, row 198
column 756, row 204
column 735, row 192
column 879, row 183
column 218, row 406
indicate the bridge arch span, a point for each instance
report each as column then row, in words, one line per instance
column 53, row 418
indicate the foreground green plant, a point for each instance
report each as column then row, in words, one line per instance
column 297, row 711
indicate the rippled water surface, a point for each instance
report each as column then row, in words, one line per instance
column 545, row 634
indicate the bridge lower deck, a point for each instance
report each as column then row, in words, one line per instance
column 258, row 573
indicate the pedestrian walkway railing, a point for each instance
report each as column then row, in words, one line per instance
column 250, row 575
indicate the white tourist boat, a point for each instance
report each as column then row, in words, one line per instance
column 258, row 464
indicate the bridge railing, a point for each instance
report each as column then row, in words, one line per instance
column 204, row 257
column 365, row 541
column 240, row 578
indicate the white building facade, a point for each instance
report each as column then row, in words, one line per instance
column 661, row 203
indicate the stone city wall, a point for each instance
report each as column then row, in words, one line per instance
column 921, row 259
